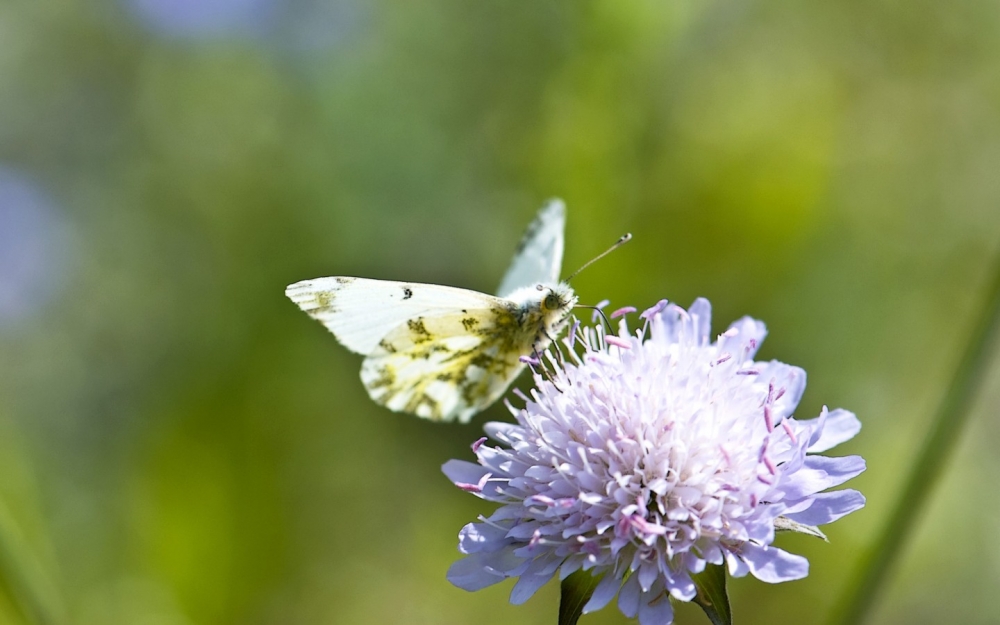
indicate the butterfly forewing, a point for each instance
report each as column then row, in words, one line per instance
column 360, row 311
column 539, row 255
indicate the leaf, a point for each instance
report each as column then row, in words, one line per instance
column 712, row 597
column 782, row 524
column 576, row 592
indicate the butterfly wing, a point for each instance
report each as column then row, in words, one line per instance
column 360, row 312
column 538, row 259
column 438, row 352
column 449, row 366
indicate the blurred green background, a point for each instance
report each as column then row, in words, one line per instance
column 180, row 445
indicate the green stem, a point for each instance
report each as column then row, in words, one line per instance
column 949, row 422
column 22, row 578
column 576, row 592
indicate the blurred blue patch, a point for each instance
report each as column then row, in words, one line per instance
column 300, row 25
column 199, row 19
column 33, row 251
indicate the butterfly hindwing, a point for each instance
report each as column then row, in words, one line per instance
column 450, row 366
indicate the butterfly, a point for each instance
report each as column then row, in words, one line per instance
column 445, row 353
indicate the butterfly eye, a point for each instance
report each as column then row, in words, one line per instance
column 552, row 301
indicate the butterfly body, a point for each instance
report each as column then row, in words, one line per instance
column 445, row 353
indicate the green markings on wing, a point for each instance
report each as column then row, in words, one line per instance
column 450, row 366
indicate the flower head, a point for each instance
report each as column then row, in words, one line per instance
column 643, row 457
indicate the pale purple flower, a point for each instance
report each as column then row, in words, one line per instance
column 646, row 455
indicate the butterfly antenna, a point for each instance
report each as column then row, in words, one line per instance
column 620, row 242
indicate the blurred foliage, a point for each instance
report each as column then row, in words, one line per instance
column 180, row 445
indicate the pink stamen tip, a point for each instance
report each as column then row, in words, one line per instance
column 645, row 527
column 789, row 431
column 621, row 312
column 540, row 499
column 748, row 372
column 529, row 360
column 752, row 343
column 725, row 454
column 723, row 358
column 478, row 444
column 475, row 488
column 753, row 500
column 617, row 342
column 764, row 480
column 768, row 419
column 781, row 391
column 771, row 467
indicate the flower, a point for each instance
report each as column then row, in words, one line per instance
column 645, row 456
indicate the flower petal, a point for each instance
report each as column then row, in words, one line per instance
column 819, row 473
column 628, row 597
column 476, row 537
column 655, row 608
column 701, row 320
column 828, row 507
column 463, row 472
column 471, row 574
column 839, row 425
column 534, row 577
column 789, row 385
column 605, row 591
column 499, row 430
column 526, row 587
column 773, row 565
column 743, row 334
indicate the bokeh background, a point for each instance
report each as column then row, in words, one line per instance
column 180, row 445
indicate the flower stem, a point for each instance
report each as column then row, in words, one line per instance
column 576, row 592
column 946, row 429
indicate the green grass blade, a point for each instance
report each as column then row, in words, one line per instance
column 22, row 578
column 930, row 463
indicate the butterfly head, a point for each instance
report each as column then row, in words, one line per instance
column 557, row 298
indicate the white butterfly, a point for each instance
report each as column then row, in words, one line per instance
column 445, row 353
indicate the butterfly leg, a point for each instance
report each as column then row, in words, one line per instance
column 607, row 323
